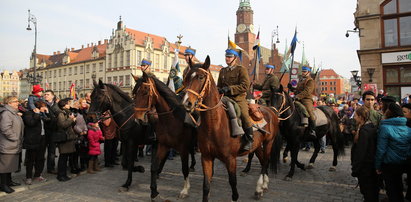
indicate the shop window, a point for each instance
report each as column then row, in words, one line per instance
column 405, row 6
column 394, row 91
column 405, row 75
column 391, row 75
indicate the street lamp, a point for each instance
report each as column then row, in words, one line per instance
column 273, row 34
column 33, row 19
column 33, row 78
column 357, row 78
column 370, row 72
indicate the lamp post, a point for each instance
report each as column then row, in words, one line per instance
column 357, row 78
column 370, row 72
column 33, row 19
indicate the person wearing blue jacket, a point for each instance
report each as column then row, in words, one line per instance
column 393, row 148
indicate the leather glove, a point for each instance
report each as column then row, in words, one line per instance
column 224, row 90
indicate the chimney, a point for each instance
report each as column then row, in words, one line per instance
column 105, row 40
column 72, row 49
column 82, row 46
column 54, row 53
column 99, row 42
column 58, row 52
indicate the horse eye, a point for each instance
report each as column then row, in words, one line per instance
column 201, row 77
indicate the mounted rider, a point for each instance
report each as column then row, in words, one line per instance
column 149, row 129
column 234, row 82
column 189, row 55
column 304, row 94
column 146, row 67
column 270, row 82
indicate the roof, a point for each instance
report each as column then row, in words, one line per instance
column 328, row 73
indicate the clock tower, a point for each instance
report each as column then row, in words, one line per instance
column 244, row 36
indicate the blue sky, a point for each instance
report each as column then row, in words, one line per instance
column 204, row 24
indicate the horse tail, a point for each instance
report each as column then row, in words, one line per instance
column 275, row 153
column 335, row 132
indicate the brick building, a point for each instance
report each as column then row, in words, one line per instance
column 330, row 82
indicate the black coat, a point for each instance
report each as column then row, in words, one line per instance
column 51, row 126
column 32, row 130
column 363, row 152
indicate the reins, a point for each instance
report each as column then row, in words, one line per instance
column 282, row 109
column 200, row 96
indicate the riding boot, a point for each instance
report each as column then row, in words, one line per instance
column 248, row 139
column 304, row 121
column 4, row 184
column 311, row 127
column 90, row 167
column 236, row 129
column 96, row 166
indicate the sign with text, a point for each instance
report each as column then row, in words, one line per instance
column 396, row 57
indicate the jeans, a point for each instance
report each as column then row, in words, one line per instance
column 62, row 165
column 323, row 142
column 35, row 158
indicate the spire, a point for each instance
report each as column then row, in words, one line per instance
column 245, row 3
column 120, row 24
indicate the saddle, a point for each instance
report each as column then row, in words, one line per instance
column 320, row 118
column 255, row 112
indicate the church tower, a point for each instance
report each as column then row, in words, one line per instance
column 244, row 36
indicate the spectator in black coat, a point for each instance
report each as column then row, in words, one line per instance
column 363, row 155
column 35, row 141
column 51, row 128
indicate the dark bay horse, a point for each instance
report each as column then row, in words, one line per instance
column 290, row 117
column 153, row 98
column 109, row 97
column 214, row 138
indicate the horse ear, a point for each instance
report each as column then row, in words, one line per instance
column 190, row 62
column 100, row 84
column 206, row 64
column 134, row 76
column 95, row 83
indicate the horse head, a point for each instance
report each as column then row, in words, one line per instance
column 198, row 82
column 100, row 100
column 145, row 97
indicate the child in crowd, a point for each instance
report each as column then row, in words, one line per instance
column 94, row 137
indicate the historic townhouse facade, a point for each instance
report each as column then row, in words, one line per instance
column 112, row 61
column 9, row 84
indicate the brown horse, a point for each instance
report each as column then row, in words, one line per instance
column 214, row 138
column 153, row 98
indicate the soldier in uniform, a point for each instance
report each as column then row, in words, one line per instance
column 233, row 82
column 270, row 81
column 189, row 54
column 145, row 67
column 304, row 94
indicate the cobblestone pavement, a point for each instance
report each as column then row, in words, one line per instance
column 317, row 184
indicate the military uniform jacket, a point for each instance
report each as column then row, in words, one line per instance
column 305, row 88
column 270, row 81
column 236, row 78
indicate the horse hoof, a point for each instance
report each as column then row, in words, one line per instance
column 192, row 170
column 332, row 169
column 287, row 178
column 310, row 166
column 285, row 160
column 265, row 190
column 139, row 169
column 258, row 195
column 243, row 174
column 183, row 195
column 123, row 189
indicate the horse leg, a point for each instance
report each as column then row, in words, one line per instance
column 231, row 165
column 185, row 169
column 131, row 152
column 158, row 154
column 207, row 163
column 247, row 168
column 317, row 147
column 193, row 159
column 263, row 180
column 335, row 155
column 285, row 153
column 162, row 163
column 294, row 147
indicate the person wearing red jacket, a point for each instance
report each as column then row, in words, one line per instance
column 94, row 136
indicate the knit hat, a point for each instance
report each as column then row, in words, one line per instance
column 37, row 88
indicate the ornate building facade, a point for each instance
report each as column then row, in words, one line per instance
column 9, row 84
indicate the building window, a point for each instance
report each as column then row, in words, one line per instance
column 81, row 69
column 109, row 79
column 396, row 20
column 100, row 68
column 157, row 61
column 75, row 70
column 165, row 62
column 65, row 72
column 114, row 60
column 82, row 83
column 109, row 61
column 127, row 80
column 128, row 58
column 121, row 59
column 391, row 75
column 138, row 58
column 87, row 68
column 120, row 80
column 94, row 67
column 87, row 83
column 70, row 71
column 115, row 80
column 55, row 73
column 59, row 85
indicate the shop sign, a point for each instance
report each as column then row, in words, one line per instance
column 396, row 57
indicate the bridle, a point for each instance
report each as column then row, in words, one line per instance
column 282, row 108
column 151, row 93
column 199, row 106
column 110, row 104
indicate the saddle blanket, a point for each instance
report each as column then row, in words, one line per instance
column 321, row 119
column 259, row 124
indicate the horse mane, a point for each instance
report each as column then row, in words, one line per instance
column 171, row 98
column 120, row 92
